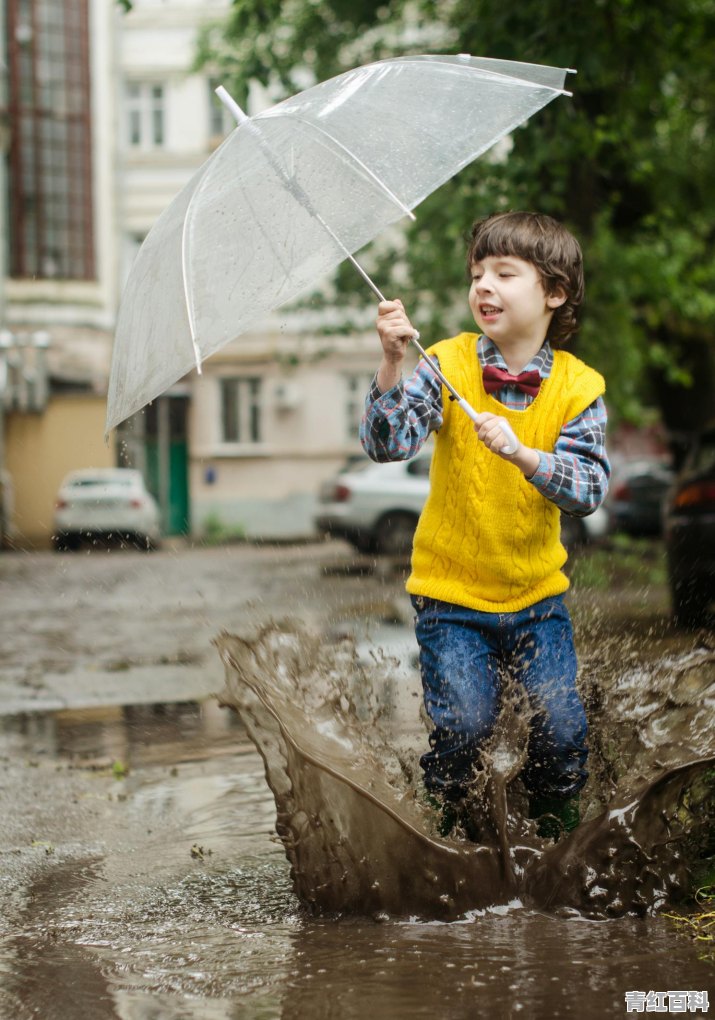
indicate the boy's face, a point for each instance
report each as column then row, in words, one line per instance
column 508, row 300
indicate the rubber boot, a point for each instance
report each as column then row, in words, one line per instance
column 448, row 813
column 555, row 815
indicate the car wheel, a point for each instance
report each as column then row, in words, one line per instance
column 66, row 542
column 394, row 533
column 364, row 544
column 135, row 540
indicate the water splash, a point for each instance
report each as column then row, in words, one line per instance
column 359, row 839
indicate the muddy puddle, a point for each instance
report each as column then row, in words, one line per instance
column 143, row 876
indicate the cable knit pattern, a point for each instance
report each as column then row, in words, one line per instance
column 487, row 539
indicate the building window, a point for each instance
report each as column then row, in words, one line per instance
column 241, row 410
column 50, row 157
column 145, row 115
column 357, row 385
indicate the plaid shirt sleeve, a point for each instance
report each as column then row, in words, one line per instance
column 575, row 476
column 396, row 424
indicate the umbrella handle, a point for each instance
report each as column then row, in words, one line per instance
column 512, row 443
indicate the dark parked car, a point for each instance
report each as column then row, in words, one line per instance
column 637, row 493
column 690, row 533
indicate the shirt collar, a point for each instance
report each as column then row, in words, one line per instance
column 489, row 354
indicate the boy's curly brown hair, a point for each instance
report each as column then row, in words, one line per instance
column 552, row 250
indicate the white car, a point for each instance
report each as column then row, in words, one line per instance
column 105, row 502
column 375, row 507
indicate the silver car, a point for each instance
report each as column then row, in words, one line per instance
column 106, row 503
column 375, row 507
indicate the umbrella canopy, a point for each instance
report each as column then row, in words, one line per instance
column 295, row 190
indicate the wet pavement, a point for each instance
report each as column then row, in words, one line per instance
column 141, row 873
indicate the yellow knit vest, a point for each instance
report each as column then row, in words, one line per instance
column 487, row 539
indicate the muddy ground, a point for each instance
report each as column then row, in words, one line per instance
column 139, row 872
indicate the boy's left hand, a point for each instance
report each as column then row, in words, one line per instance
column 489, row 429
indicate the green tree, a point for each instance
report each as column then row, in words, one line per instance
column 627, row 163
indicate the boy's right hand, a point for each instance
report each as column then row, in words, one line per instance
column 395, row 331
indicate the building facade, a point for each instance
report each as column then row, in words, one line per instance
column 59, row 276
column 107, row 120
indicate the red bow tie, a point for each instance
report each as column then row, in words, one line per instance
column 494, row 378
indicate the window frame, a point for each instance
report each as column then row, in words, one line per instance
column 50, row 185
column 241, row 411
column 145, row 110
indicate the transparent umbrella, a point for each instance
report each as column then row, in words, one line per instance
column 297, row 189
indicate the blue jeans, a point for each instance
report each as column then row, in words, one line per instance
column 463, row 657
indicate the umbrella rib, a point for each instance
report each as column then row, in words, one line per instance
column 198, row 357
column 513, row 79
column 303, row 199
column 299, row 194
column 344, row 150
column 275, row 249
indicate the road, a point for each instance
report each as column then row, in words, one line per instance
column 108, row 627
column 126, row 627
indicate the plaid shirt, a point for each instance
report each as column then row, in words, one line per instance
column 574, row 476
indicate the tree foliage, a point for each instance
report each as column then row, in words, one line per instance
column 627, row 163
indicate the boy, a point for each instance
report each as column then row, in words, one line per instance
column 486, row 582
